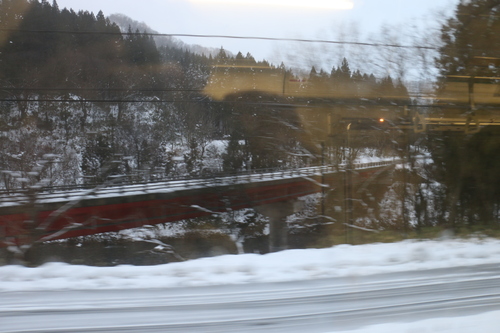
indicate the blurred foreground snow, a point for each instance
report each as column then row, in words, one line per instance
column 291, row 265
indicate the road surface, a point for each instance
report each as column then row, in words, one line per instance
column 325, row 305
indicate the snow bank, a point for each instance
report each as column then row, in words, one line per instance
column 342, row 260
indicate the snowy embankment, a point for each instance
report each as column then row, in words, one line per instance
column 337, row 261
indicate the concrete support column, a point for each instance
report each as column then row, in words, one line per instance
column 278, row 228
column 278, row 234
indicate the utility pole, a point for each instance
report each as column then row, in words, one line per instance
column 323, row 182
column 348, row 189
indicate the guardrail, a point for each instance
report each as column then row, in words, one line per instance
column 112, row 189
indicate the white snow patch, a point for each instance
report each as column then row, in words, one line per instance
column 484, row 323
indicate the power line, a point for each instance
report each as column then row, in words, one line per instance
column 101, row 89
column 282, row 39
column 382, row 102
column 278, row 39
column 55, row 100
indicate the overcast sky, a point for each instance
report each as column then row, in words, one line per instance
column 187, row 17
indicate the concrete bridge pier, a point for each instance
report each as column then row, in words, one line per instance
column 278, row 228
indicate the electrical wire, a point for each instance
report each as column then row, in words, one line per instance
column 101, row 89
column 303, row 103
column 302, row 40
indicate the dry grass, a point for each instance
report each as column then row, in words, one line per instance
column 357, row 237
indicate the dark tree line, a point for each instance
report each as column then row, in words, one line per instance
column 343, row 82
column 74, row 86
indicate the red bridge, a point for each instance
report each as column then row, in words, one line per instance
column 36, row 216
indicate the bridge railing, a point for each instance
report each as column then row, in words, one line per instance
column 114, row 189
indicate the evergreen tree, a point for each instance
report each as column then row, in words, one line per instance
column 313, row 74
column 466, row 165
column 96, row 159
column 473, row 32
column 344, row 71
column 234, row 158
column 239, row 56
column 250, row 58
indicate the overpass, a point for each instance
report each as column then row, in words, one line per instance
column 38, row 215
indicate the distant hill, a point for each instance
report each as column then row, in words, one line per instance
column 124, row 22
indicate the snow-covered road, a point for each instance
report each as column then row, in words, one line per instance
column 324, row 305
column 396, row 287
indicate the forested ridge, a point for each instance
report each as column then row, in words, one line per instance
column 76, row 88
